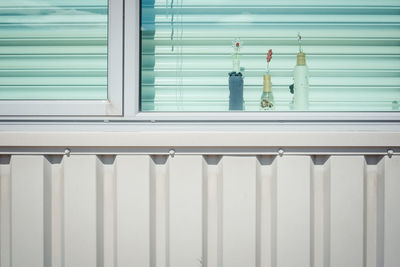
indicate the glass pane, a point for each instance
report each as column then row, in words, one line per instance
column 53, row 49
column 211, row 55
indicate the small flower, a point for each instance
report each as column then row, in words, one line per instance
column 299, row 36
column 236, row 44
column 299, row 41
column 269, row 55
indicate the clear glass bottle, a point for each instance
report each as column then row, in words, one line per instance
column 267, row 97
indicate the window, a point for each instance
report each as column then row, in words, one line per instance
column 211, row 55
column 60, row 57
column 174, row 60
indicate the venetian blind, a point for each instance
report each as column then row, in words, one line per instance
column 352, row 49
column 53, row 49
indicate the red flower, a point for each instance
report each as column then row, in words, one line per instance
column 269, row 55
column 237, row 44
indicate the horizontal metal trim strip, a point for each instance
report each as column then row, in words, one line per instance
column 274, row 151
column 220, row 139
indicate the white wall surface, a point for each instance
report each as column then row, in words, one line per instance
column 225, row 210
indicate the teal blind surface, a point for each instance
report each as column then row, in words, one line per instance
column 53, row 49
column 352, row 49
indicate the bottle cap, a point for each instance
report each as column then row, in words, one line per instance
column 301, row 59
column 267, row 83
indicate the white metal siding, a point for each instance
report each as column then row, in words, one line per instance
column 199, row 210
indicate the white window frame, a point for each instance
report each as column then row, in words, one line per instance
column 132, row 89
column 110, row 107
column 124, row 91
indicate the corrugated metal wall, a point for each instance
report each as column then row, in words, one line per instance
column 199, row 210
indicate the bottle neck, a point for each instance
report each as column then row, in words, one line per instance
column 236, row 63
column 301, row 59
column 267, row 84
